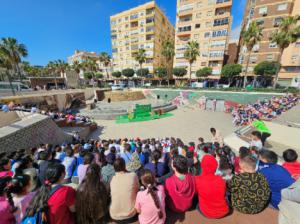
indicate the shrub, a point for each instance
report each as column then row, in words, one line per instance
column 230, row 71
column 179, row 71
column 266, row 68
column 128, row 72
column 88, row 75
column 99, row 76
column 161, row 72
column 116, row 74
column 142, row 72
column 204, row 72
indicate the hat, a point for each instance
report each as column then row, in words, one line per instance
column 110, row 158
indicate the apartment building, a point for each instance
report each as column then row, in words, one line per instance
column 269, row 14
column 209, row 23
column 143, row 27
column 81, row 56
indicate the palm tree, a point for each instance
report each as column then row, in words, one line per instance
column 168, row 52
column 288, row 33
column 52, row 68
column 14, row 52
column 77, row 66
column 191, row 54
column 90, row 65
column 6, row 65
column 140, row 57
column 61, row 67
column 105, row 59
column 252, row 36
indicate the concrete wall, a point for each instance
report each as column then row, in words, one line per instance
column 8, row 118
column 30, row 132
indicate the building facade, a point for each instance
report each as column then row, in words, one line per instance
column 268, row 14
column 81, row 56
column 209, row 23
column 143, row 27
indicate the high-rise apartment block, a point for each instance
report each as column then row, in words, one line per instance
column 209, row 23
column 144, row 27
column 268, row 14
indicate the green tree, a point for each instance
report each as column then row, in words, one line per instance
column 140, row 57
column 287, row 33
column 117, row 74
column 204, row 72
column 230, row 71
column 142, row 72
column 14, row 52
column 52, row 69
column 168, row 51
column 161, row 73
column 105, row 59
column 90, row 65
column 266, row 68
column 252, row 36
column 6, row 65
column 191, row 54
column 77, row 66
column 99, row 75
column 128, row 72
column 179, row 71
column 88, row 75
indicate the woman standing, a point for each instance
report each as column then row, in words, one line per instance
column 93, row 191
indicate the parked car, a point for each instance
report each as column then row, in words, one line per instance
column 117, row 87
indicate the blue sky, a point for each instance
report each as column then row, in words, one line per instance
column 53, row 29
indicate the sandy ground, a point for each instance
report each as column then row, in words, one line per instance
column 188, row 123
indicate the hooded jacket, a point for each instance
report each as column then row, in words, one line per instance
column 211, row 190
column 180, row 193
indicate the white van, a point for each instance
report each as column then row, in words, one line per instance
column 18, row 87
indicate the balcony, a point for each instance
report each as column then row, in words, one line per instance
column 186, row 10
column 223, row 3
column 150, row 11
column 150, row 29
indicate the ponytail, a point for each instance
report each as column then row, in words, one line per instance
column 9, row 197
column 153, row 192
column 40, row 202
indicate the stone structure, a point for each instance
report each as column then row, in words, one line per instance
column 117, row 96
column 30, row 132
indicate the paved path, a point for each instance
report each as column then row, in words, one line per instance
column 188, row 123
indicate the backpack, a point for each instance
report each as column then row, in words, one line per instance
column 41, row 216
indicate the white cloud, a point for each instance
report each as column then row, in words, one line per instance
column 235, row 34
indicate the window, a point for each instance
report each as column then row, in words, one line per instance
column 203, row 63
column 297, row 44
column 260, row 22
column 197, row 26
column 184, row 29
column 209, row 13
column 208, row 24
column 216, row 54
column 196, row 36
column 263, row 10
column 199, row 4
column 272, row 45
column 270, row 57
column 207, row 34
column 253, row 59
column 294, row 58
column 198, row 15
column 282, row 7
column 219, row 33
column 221, row 22
column 277, row 21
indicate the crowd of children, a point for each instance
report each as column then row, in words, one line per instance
column 123, row 180
column 264, row 109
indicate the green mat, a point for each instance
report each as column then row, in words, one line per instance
column 123, row 119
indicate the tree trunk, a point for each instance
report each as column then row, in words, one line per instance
column 247, row 65
column 19, row 72
column 55, row 81
column 278, row 69
column 106, row 72
column 10, row 83
column 190, row 81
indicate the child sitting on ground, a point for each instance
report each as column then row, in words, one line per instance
column 290, row 157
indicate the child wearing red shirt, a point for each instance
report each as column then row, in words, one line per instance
column 290, row 157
